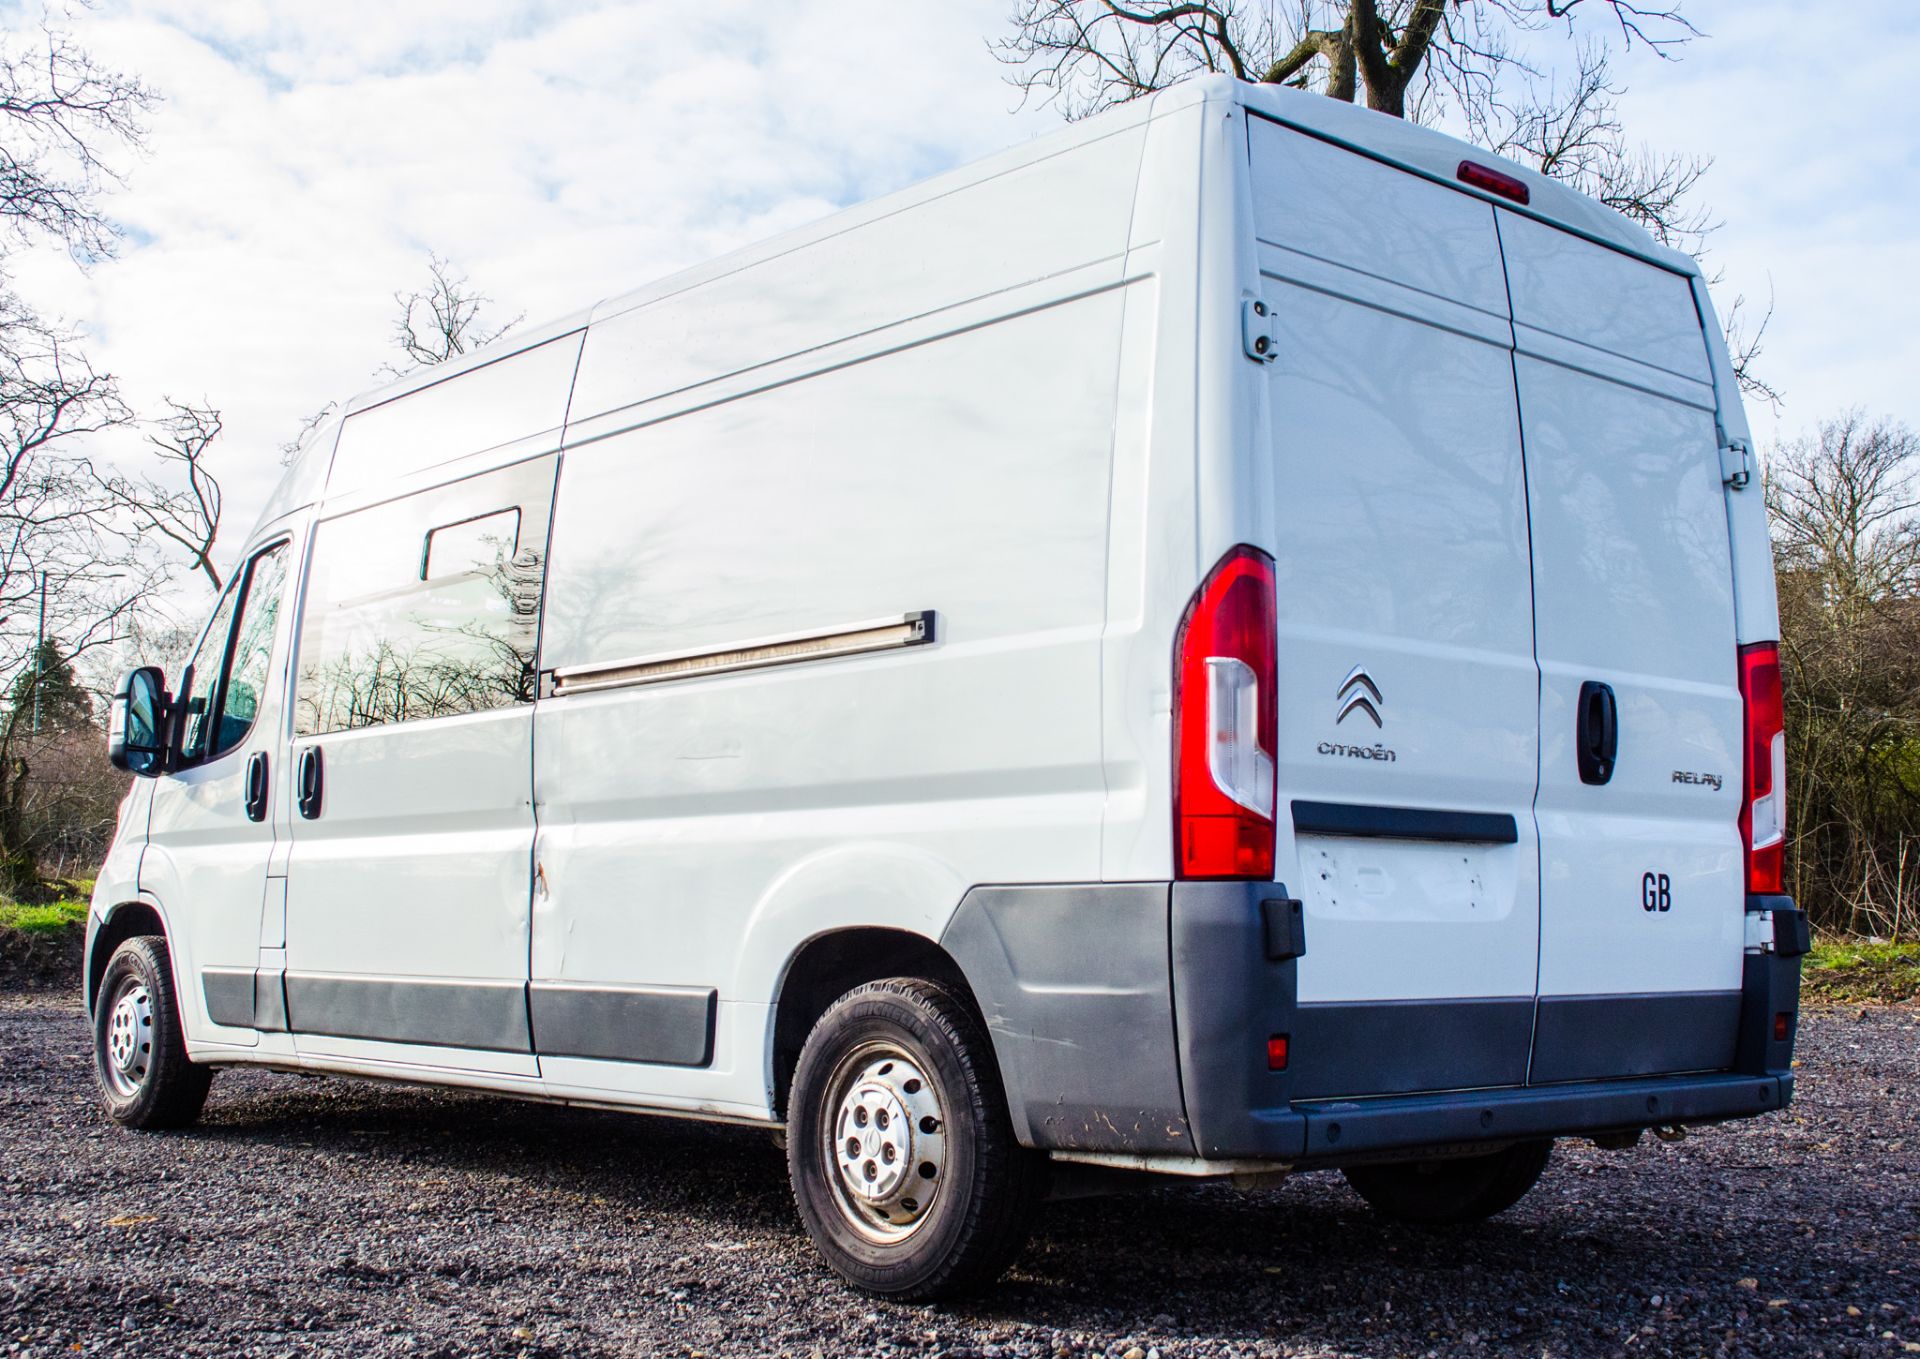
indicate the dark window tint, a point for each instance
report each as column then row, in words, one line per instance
column 427, row 606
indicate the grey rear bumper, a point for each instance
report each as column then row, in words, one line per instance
column 1339, row 1129
column 1133, row 1019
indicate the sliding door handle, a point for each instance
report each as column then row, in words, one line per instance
column 1597, row 738
column 257, row 786
column 309, row 782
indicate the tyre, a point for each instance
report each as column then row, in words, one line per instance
column 139, row 1051
column 904, row 1164
column 1466, row 1189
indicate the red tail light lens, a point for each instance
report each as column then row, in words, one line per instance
column 1225, row 714
column 1763, row 810
column 1277, row 1047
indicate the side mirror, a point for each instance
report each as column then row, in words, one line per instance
column 137, row 723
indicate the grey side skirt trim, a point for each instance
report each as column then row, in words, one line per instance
column 667, row 1026
column 447, row 1014
column 229, row 995
column 664, row 1026
column 269, row 1002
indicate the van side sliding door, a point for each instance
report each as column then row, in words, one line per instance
column 409, row 882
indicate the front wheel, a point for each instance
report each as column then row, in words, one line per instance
column 1446, row 1192
column 904, row 1164
column 139, row 1050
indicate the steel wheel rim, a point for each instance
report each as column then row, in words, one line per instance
column 126, row 1048
column 883, row 1142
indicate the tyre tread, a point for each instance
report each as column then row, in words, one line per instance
column 176, row 1091
column 1007, row 1178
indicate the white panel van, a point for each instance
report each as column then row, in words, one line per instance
column 1234, row 639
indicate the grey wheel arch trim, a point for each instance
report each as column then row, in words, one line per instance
column 1073, row 984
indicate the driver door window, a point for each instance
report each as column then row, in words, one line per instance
column 233, row 663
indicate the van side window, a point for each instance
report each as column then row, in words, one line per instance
column 427, row 606
column 471, row 545
column 234, row 662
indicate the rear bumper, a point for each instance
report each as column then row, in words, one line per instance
column 1336, row 1130
column 1133, row 1019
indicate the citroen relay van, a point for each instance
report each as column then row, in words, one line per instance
column 1234, row 639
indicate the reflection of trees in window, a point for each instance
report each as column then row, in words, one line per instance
column 442, row 649
column 380, row 644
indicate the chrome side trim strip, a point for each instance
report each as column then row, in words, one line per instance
column 885, row 634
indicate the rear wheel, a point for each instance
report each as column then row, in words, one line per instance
column 1465, row 1189
column 139, row 1050
column 904, row 1164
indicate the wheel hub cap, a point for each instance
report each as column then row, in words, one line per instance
column 129, row 1038
column 886, row 1144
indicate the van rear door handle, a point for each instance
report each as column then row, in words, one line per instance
column 1597, row 738
column 257, row 786
column 309, row 782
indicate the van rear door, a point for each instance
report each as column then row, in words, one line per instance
column 1407, row 745
column 1641, row 874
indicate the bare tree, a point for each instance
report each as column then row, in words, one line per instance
column 1845, row 504
column 436, row 323
column 70, row 566
column 79, row 563
column 58, row 109
column 1427, row 60
column 442, row 320
column 291, row 448
column 1745, row 343
column 184, row 505
column 1424, row 59
column 1571, row 130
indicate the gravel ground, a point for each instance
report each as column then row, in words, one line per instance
column 341, row 1217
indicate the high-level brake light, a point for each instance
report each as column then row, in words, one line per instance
column 1225, row 717
column 1493, row 181
column 1763, row 807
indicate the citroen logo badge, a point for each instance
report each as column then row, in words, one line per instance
column 1358, row 693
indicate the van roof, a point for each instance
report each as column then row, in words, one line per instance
column 1419, row 150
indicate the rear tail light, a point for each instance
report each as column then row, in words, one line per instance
column 1277, row 1053
column 1763, row 809
column 1225, row 714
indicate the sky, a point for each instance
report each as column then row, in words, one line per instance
column 305, row 159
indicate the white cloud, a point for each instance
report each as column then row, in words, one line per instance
column 307, row 156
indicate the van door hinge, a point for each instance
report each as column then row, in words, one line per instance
column 1736, row 463
column 1256, row 331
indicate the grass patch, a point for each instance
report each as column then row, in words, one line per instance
column 1857, row 971
column 48, row 917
